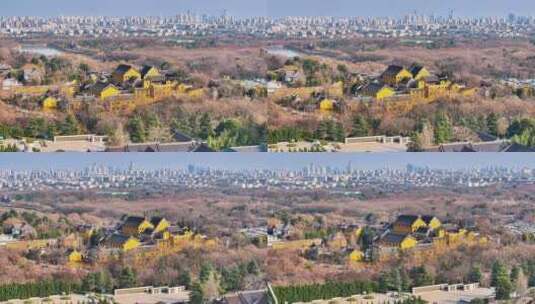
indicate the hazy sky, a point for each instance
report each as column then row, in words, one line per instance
column 266, row 7
column 264, row 160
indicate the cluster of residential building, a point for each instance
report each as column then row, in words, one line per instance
column 412, row 83
column 407, row 232
column 415, row 231
column 126, row 83
column 403, row 86
column 90, row 244
column 142, row 235
column 194, row 25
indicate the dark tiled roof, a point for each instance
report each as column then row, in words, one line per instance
column 433, row 149
column 392, row 70
column 453, row 147
column 373, row 88
column 427, row 218
column 406, row 219
column 155, row 220
column 247, row 297
column 486, row 136
column 98, row 87
column 134, row 220
column 415, row 69
column 203, row 148
column 488, row 147
column 393, row 238
column 518, row 148
column 181, row 137
column 116, row 149
column 145, row 69
column 123, row 68
column 176, row 147
column 145, row 147
column 117, row 239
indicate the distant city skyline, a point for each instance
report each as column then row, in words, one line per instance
column 289, row 161
column 272, row 8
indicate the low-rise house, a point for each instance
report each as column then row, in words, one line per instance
column 149, row 72
column 418, row 71
column 395, row 74
column 377, row 90
column 136, row 225
column 104, row 90
column 399, row 241
column 124, row 73
column 405, row 224
column 122, row 242
column 161, row 226
column 431, row 221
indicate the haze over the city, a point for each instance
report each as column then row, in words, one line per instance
column 274, row 8
column 266, row 161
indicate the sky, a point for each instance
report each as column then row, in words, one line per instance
column 274, row 8
column 25, row 161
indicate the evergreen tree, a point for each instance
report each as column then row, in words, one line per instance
column 205, row 126
column 443, row 128
column 232, row 279
column 503, row 288
column 204, row 274
column 339, row 134
column 501, row 280
column 136, row 129
column 474, row 275
column 394, row 280
column 69, row 126
column 197, row 295
column 127, row 278
column 252, row 268
column 184, row 279
column 420, row 276
column 515, row 272
column 492, row 124
column 405, row 280
column 322, row 132
column 498, row 269
column 531, row 280
column 360, row 127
